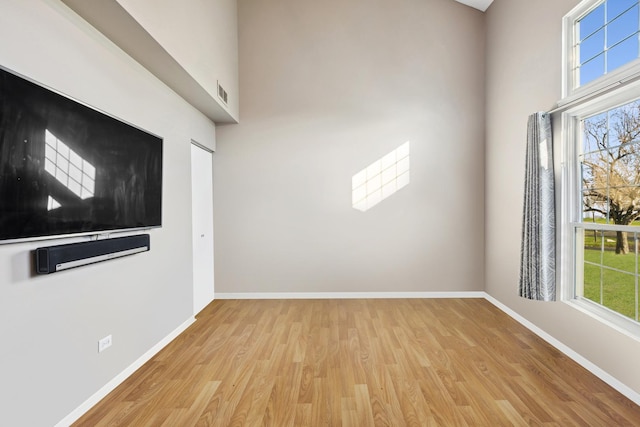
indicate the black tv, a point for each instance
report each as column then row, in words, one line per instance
column 66, row 168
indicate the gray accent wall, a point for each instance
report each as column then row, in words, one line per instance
column 50, row 325
column 524, row 53
column 327, row 88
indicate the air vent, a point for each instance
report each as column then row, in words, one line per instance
column 222, row 94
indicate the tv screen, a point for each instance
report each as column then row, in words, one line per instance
column 66, row 168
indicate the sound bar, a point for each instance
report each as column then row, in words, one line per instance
column 62, row 257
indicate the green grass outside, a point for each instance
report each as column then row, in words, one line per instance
column 619, row 289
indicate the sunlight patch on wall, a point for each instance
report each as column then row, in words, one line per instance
column 68, row 167
column 380, row 179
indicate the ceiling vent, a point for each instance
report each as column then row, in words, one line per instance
column 222, row 94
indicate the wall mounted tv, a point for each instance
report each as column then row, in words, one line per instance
column 67, row 169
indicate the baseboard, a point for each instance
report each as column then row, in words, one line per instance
column 349, row 295
column 591, row 367
column 107, row 388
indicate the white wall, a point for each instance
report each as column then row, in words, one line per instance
column 50, row 325
column 524, row 76
column 327, row 88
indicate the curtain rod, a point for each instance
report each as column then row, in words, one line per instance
column 604, row 90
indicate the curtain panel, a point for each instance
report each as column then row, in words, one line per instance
column 538, row 250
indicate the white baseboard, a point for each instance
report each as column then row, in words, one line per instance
column 591, row 367
column 349, row 295
column 107, row 388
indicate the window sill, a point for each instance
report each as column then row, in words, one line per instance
column 620, row 323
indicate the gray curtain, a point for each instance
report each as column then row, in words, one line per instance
column 538, row 251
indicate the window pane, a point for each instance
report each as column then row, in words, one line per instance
column 619, row 291
column 618, row 134
column 616, row 7
column 624, row 124
column 623, row 262
column 610, row 181
column 588, row 175
column 591, row 22
column 592, row 245
column 622, row 53
column 592, row 46
column 595, row 207
column 608, row 278
column 592, row 282
column 622, row 27
column 595, row 133
column 625, row 168
column 592, row 70
column 592, row 269
column 607, row 40
column 594, row 170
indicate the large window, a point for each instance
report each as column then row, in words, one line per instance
column 601, row 181
column 602, row 37
column 607, row 38
column 606, row 233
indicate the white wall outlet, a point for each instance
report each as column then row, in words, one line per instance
column 104, row 343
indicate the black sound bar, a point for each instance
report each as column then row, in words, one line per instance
column 62, row 257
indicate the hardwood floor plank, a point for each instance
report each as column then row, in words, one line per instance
column 510, row 414
column 303, row 415
column 348, row 415
column 321, row 408
column 364, row 412
column 360, row 363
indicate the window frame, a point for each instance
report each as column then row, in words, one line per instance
column 606, row 92
column 571, row 204
column 571, row 93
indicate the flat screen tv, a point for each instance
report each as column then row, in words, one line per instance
column 66, row 168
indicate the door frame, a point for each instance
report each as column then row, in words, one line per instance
column 199, row 305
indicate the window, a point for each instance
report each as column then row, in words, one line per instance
column 602, row 37
column 601, row 182
column 606, row 234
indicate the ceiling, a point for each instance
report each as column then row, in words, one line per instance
column 478, row 4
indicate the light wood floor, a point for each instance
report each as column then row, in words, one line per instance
column 434, row 362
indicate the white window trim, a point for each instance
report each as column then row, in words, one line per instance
column 570, row 203
column 571, row 94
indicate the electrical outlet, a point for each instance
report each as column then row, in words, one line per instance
column 104, row 343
